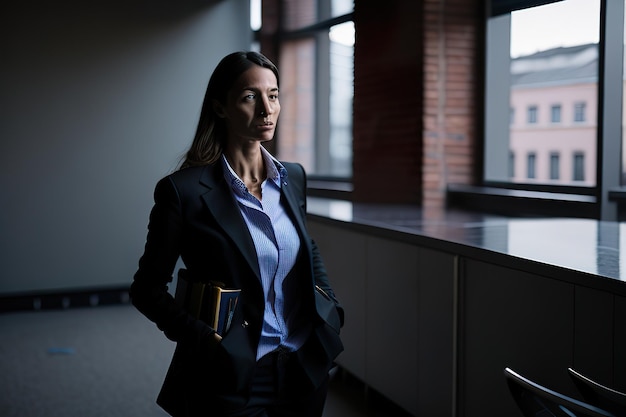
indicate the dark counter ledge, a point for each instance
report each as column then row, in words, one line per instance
column 572, row 249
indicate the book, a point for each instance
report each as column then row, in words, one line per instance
column 223, row 303
column 208, row 301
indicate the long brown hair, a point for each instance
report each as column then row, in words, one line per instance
column 209, row 140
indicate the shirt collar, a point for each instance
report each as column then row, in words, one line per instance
column 276, row 172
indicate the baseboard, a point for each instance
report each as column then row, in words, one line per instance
column 64, row 299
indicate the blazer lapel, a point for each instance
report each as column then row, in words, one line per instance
column 223, row 206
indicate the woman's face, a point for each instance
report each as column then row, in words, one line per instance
column 252, row 106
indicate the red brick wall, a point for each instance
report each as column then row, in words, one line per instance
column 416, row 113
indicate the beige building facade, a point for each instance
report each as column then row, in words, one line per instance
column 553, row 124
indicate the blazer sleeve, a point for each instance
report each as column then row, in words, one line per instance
column 149, row 289
column 297, row 178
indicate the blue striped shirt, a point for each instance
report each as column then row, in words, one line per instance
column 277, row 244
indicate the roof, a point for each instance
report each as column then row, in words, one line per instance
column 556, row 66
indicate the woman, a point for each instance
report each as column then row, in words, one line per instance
column 235, row 214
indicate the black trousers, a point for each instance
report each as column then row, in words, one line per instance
column 280, row 389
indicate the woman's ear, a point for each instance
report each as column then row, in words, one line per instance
column 218, row 109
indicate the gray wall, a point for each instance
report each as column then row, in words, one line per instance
column 99, row 100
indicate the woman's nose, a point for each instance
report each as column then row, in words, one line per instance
column 266, row 108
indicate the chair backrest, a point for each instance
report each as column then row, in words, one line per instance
column 535, row 400
column 599, row 395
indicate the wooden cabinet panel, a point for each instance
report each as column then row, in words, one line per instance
column 399, row 330
column 619, row 355
column 391, row 316
column 436, row 332
column 593, row 334
column 515, row 319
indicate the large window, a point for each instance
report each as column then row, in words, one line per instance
column 537, row 66
column 316, row 60
column 565, row 59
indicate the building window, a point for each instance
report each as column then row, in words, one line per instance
column 532, row 115
column 579, row 112
column 531, row 165
column 554, row 166
column 555, row 113
column 511, row 164
column 579, row 166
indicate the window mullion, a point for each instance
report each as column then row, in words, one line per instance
column 610, row 108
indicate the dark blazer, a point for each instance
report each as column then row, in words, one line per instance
column 196, row 217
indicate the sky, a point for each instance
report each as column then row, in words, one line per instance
column 565, row 23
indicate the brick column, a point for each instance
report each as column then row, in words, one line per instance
column 453, row 45
column 416, row 109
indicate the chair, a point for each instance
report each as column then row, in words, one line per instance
column 598, row 394
column 535, row 400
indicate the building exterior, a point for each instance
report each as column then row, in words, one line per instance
column 553, row 125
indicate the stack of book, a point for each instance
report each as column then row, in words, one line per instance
column 208, row 301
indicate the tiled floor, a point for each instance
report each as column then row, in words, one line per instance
column 108, row 361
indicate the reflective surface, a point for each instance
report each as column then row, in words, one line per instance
column 582, row 245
